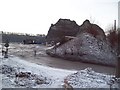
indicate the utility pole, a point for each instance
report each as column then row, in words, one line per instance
column 117, row 75
column 119, row 14
column 115, row 25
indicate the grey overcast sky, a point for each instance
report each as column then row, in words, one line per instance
column 36, row 16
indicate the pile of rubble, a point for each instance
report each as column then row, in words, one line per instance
column 90, row 79
column 89, row 45
column 23, row 78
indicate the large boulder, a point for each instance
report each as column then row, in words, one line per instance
column 90, row 45
column 64, row 27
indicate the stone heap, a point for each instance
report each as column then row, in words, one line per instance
column 64, row 27
column 89, row 45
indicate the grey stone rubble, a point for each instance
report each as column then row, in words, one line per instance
column 91, row 79
column 22, row 78
column 89, row 45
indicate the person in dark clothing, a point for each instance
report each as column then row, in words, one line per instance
column 6, row 52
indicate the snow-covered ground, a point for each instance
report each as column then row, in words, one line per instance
column 16, row 73
column 38, row 76
column 53, row 76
